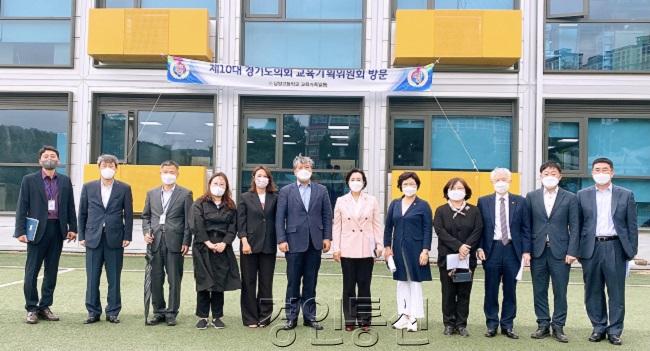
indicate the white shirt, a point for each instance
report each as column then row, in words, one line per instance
column 604, row 221
column 497, row 215
column 549, row 200
column 166, row 195
column 106, row 192
column 262, row 198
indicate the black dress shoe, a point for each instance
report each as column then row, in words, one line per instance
column 313, row 324
column 157, row 319
column 290, row 325
column 615, row 340
column 596, row 337
column 171, row 321
column 540, row 333
column 91, row 319
column 558, row 334
column 462, row 331
column 509, row 333
column 449, row 330
column 490, row 333
column 113, row 319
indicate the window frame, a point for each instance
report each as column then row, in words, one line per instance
column 569, row 15
column 282, row 17
column 431, row 5
column 582, row 144
column 72, row 19
column 68, row 153
column 279, row 127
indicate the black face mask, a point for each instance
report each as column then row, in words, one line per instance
column 49, row 164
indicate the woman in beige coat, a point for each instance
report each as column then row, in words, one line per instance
column 357, row 239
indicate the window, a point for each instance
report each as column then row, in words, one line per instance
column 148, row 130
column 36, row 33
column 454, row 5
column 422, row 137
column 597, row 35
column 27, row 122
column 579, row 132
column 303, row 33
column 327, row 130
column 211, row 5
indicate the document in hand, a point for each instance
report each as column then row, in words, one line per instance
column 454, row 262
column 520, row 274
column 31, row 226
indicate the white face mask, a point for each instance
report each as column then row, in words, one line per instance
column 550, row 182
column 501, row 187
column 355, row 185
column 168, row 178
column 217, row 190
column 456, row 195
column 602, row 178
column 261, row 182
column 303, row 175
column 107, row 173
column 409, row 190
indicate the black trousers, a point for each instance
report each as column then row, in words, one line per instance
column 209, row 300
column 96, row 259
column 455, row 300
column 357, row 276
column 545, row 268
column 170, row 263
column 257, row 300
column 48, row 252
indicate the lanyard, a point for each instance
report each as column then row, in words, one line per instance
column 165, row 205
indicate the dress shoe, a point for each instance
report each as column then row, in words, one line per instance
column 541, row 333
column 558, row 334
column 596, row 337
column 290, row 324
column 490, row 333
column 313, row 324
column 157, row 319
column 91, row 319
column 615, row 340
column 46, row 314
column 171, row 321
column 113, row 319
column 509, row 333
column 462, row 331
column 449, row 330
column 31, row 318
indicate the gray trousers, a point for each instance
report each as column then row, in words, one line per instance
column 170, row 263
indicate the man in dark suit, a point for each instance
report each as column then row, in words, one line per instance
column 505, row 243
column 554, row 217
column 304, row 230
column 166, row 229
column 46, row 196
column 105, row 229
column 609, row 238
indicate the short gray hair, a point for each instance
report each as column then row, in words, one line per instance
column 302, row 160
column 107, row 158
column 499, row 170
column 170, row 163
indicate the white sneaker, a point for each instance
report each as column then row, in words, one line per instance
column 401, row 323
column 412, row 325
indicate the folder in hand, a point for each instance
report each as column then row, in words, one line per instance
column 31, row 227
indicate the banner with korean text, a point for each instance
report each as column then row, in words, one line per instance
column 182, row 70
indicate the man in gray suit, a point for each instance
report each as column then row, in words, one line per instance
column 608, row 240
column 105, row 229
column 166, row 229
column 554, row 220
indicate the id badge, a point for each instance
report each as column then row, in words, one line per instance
column 51, row 205
column 162, row 219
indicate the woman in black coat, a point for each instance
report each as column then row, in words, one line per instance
column 214, row 223
column 256, row 230
column 458, row 226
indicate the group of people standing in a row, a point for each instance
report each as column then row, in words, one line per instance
column 549, row 229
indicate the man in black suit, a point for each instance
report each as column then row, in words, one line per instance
column 504, row 245
column 554, row 217
column 303, row 226
column 48, row 197
column 609, row 239
column 105, row 229
column 166, row 229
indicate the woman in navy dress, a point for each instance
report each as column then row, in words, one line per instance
column 407, row 237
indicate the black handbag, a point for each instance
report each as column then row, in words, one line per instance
column 460, row 276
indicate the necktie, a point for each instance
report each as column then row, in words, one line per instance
column 504, row 221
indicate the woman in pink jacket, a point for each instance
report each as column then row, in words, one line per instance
column 357, row 239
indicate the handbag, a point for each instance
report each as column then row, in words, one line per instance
column 460, row 276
